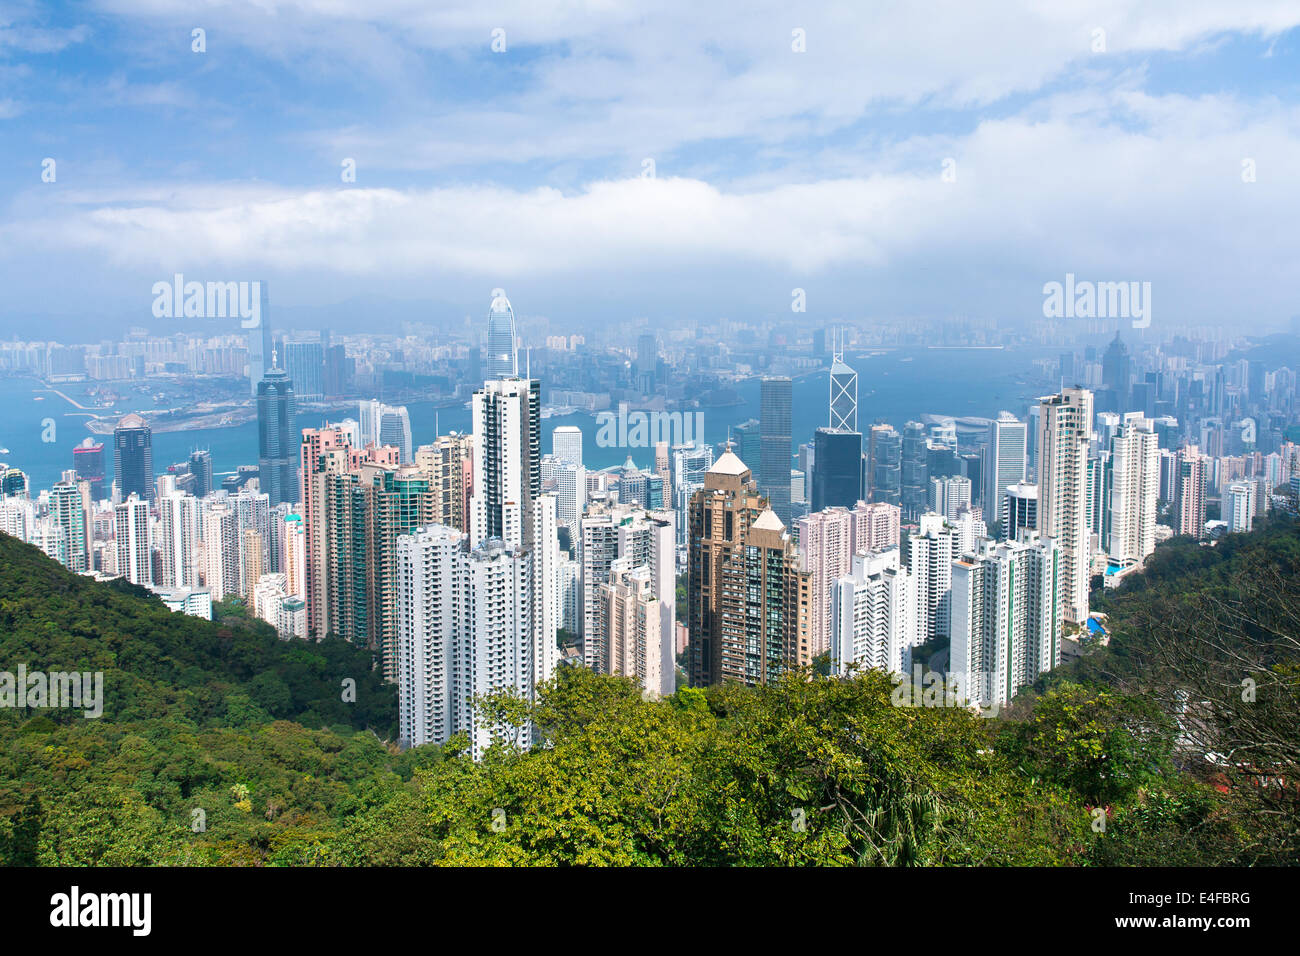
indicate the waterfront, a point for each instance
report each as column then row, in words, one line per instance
column 893, row 386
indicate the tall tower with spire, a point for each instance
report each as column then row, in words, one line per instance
column 844, row 391
column 502, row 357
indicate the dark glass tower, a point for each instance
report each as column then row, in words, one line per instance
column 886, row 457
column 837, row 468
column 1117, row 372
column 774, row 461
column 13, row 483
column 133, row 458
column 915, row 471
column 277, row 452
column 201, row 469
column 747, row 441
column 88, row 460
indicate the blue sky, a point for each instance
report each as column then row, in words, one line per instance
column 1116, row 156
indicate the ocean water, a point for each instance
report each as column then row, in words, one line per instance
column 894, row 386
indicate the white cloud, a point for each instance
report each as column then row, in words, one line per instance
column 1092, row 174
column 604, row 79
column 1040, row 197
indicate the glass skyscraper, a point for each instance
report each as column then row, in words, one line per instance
column 837, row 468
column 277, row 449
column 844, row 395
column 774, row 461
column 502, row 359
column 133, row 458
column 304, row 363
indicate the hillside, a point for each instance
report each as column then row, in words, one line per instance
column 224, row 745
column 191, row 709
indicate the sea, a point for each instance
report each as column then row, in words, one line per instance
column 893, row 386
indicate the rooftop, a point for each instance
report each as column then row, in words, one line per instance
column 728, row 463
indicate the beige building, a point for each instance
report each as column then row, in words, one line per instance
column 749, row 600
column 631, row 613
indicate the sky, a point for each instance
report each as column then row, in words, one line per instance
column 610, row 161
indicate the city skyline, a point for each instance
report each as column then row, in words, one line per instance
column 608, row 434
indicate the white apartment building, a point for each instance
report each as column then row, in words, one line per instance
column 1130, row 525
column 465, row 629
column 874, row 615
column 1006, row 614
column 1064, row 434
column 131, row 534
column 930, row 553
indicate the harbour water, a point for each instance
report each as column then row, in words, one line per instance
column 893, row 386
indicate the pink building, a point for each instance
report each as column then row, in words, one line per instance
column 875, row 526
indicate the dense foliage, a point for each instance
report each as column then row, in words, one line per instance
column 221, row 744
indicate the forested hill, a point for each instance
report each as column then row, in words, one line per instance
column 221, row 744
column 157, row 663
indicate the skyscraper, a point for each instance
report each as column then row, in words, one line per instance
column 277, row 445
column 259, row 341
column 507, row 458
column 691, row 463
column 201, row 469
column 837, row 468
column 502, row 357
column 1019, row 510
column 1134, row 490
column 1065, row 432
column 325, row 451
column 570, row 491
column 13, row 483
column 70, row 505
column 133, row 458
column 566, row 443
column 915, row 474
column 843, row 395
column 873, row 614
column 876, row 526
column 747, row 440
column 884, row 465
column 304, row 363
column 507, row 501
column 930, row 553
column 131, row 535
column 1239, row 506
column 466, row 628
column 774, row 465
column 631, row 612
column 826, row 549
column 611, row 532
column 748, row 597
column 1004, row 461
column 88, row 460
column 1189, row 503
column 221, row 549
column 1006, row 617
column 180, row 534
column 449, row 464
column 1117, row 372
column 948, row 496
column 647, row 362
